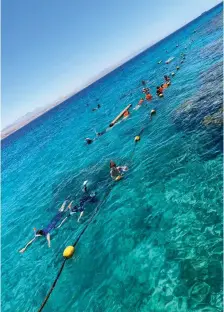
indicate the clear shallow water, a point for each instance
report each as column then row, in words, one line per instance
column 156, row 244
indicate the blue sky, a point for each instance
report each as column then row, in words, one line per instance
column 51, row 48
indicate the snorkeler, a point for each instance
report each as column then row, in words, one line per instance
column 96, row 108
column 159, row 90
column 51, row 226
column 115, row 171
column 145, row 90
column 153, row 112
column 148, row 97
column 58, row 220
column 126, row 114
column 141, row 101
column 88, row 140
column 167, row 78
column 166, row 85
column 100, row 133
column 80, row 208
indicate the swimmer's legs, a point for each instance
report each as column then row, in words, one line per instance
column 62, row 206
column 84, row 189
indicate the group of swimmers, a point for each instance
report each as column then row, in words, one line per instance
column 165, row 85
column 69, row 208
column 116, row 172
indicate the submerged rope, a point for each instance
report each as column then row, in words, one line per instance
column 74, row 244
column 83, row 231
column 79, row 237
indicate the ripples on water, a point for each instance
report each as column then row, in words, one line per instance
column 157, row 243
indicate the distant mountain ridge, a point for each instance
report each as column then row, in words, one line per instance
column 30, row 116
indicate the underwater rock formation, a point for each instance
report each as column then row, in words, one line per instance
column 207, row 102
column 202, row 115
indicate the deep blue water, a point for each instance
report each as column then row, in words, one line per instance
column 156, row 244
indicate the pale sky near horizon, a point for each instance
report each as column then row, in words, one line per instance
column 50, row 48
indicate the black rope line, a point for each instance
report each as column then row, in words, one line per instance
column 83, row 231
column 74, row 244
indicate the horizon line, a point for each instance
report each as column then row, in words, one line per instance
column 102, row 74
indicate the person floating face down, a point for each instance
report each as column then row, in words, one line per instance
column 126, row 114
column 98, row 134
column 153, row 112
column 88, row 141
column 96, row 108
column 148, row 97
column 145, row 90
column 87, row 198
column 140, row 102
column 116, row 171
column 61, row 217
column 167, row 78
column 159, row 90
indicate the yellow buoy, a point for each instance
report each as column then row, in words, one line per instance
column 68, row 252
column 118, row 178
column 137, row 138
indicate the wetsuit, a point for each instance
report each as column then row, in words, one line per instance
column 89, row 141
column 101, row 133
column 85, row 199
column 54, row 223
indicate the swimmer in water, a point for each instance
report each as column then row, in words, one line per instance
column 96, row 108
column 116, row 171
column 58, row 220
column 88, row 140
column 159, row 90
column 87, row 198
column 100, row 133
column 141, row 101
column 145, row 90
column 153, row 112
column 148, row 97
column 50, row 227
column 126, row 114
column 167, row 78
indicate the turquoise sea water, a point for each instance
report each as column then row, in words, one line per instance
column 156, row 244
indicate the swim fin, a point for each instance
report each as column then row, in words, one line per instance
column 84, row 186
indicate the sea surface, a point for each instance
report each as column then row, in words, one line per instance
column 156, row 243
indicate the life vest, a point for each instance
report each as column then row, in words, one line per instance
column 148, row 97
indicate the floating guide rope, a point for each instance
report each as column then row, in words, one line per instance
column 74, row 244
column 79, row 237
column 137, row 138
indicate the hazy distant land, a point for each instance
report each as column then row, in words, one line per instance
column 29, row 117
